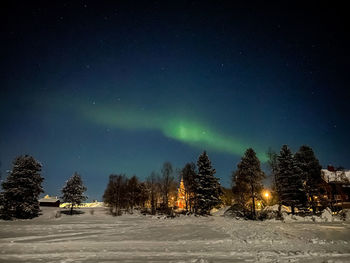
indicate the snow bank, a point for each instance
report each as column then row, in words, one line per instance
column 275, row 208
column 326, row 215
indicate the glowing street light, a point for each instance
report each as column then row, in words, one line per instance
column 266, row 194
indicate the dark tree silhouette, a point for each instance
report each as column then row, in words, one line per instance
column 189, row 175
column 166, row 182
column 289, row 181
column 311, row 174
column 248, row 178
column 153, row 188
column 115, row 195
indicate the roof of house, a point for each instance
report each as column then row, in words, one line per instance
column 336, row 176
column 49, row 199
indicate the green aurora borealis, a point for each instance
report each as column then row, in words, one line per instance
column 119, row 87
column 187, row 130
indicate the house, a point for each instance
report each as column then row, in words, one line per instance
column 49, row 201
column 338, row 186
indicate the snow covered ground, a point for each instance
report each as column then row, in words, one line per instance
column 99, row 237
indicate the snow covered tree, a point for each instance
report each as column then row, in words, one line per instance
column 288, row 180
column 248, row 178
column 311, row 174
column 22, row 188
column 208, row 190
column 73, row 191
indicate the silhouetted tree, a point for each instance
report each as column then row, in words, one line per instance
column 240, row 191
column 115, row 193
column 166, row 182
column 311, row 174
column 73, row 191
column 248, row 178
column 153, row 188
column 144, row 195
column 289, row 181
column 273, row 165
column 208, row 190
column 133, row 191
column 189, row 174
column 22, row 188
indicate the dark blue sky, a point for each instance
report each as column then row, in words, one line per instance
column 101, row 87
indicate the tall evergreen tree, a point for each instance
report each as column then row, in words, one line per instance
column 311, row 173
column 208, row 190
column 73, row 191
column 22, row 188
column 248, row 178
column 288, row 180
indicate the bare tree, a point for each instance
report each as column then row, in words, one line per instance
column 153, row 186
column 166, row 181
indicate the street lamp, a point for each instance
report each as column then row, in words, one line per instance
column 266, row 194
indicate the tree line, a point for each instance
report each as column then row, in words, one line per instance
column 202, row 189
column 20, row 193
column 297, row 183
column 297, row 180
column 21, row 189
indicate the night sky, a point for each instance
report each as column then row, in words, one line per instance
column 121, row 87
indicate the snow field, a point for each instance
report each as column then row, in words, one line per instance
column 99, row 237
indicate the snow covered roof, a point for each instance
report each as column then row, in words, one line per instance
column 48, row 199
column 336, row 176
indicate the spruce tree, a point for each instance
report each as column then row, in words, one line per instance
column 208, row 190
column 22, row 188
column 248, row 178
column 288, row 180
column 311, row 173
column 73, row 191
